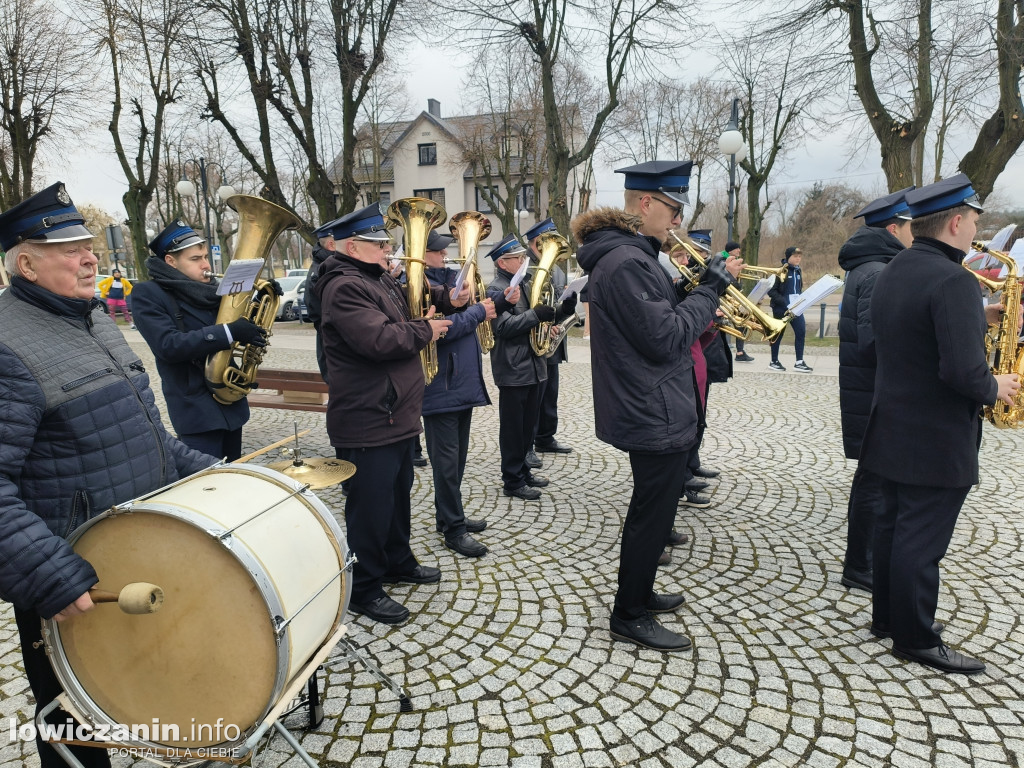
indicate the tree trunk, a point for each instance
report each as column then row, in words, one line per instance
column 136, row 201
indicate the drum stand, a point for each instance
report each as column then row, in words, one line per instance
column 349, row 650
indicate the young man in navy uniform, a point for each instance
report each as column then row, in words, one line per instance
column 923, row 433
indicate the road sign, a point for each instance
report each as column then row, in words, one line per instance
column 215, row 251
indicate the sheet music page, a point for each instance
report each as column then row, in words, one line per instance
column 824, row 287
column 240, row 276
column 461, row 279
column 517, row 278
column 574, row 287
column 760, row 289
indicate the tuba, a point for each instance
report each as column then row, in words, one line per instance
column 741, row 315
column 417, row 216
column 553, row 248
column 231, row 373
column 1002, row 346
column 469, row 228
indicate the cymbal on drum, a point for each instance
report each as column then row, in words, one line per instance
column 317, row 472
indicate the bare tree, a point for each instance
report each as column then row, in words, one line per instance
column 383, row 108
column 42, row 81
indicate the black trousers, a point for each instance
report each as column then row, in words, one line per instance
column 448, row 445
column 547, row 418
column 652, row 509
column 864, row 508
column 911, row 537
column 218, row 442
column 799, row 326
column 517, row 412
column 377, row 515
column 45, row 688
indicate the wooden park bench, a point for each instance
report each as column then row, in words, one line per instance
column 296, row 390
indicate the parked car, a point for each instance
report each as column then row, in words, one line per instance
column 293, row 288
column 99, row 279
column 297, row 272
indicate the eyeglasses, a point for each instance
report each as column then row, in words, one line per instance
column 382, row 244
column 677, row 210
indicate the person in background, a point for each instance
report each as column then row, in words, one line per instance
column 115, row 290
column 781, row 295
column 885, row 233
column 321, row 252
column 734, row 249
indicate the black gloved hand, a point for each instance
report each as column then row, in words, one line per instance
column 569, row 305
column 276, row 286
column 247, row 332
column 545, row 313
column 682, row 286
column 716, row 277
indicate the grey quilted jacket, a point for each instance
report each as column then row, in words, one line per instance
column 79, row 432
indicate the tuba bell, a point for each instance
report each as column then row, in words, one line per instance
column 469, row 228
column 417, row 216
column 553, row 248
column 231, row 373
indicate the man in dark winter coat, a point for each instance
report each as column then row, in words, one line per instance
column 885, row 233
column 924, row 429
column 781, row 295
column 80, row 430
column 644, row 396
column 376, row 396
column 324, row 250
column 448, row 405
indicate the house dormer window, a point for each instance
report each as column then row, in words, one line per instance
column 511, row 145
column 428, row 154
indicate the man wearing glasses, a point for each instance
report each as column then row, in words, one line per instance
column 376, row 394
column 644, row 395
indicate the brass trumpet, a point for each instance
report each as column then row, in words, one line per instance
column 754, row 272
column 469, row 228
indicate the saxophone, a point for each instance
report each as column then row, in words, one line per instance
column 469, row 228
column 1002, row 345
column 553, row 248
column 231, row 373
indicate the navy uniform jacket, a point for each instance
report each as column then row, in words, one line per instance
column 181, row 358
column 929, row 327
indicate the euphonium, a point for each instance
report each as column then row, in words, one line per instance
column 469, row 228
column 417, row 216
column 1005, row 352
column 553, row 248
column 231, row 373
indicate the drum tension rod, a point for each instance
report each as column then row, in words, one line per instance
column 227, row 534
column 281, row 622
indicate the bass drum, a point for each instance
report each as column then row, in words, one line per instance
column 254, row 576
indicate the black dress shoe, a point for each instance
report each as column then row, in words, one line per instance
column 706, row 472
column 697, row 485
column 885, row 634
column 552, row 447
column 524, row 492
column 695, row 500
column 857, row 580
column 419, row 461
column 466, row 546
column 942, row 658
column 423, row 574
column 664, row 558
column 648, row 633
column 533, row 460
column 383, row 609
column 536, row 481
column 676, row 538
column 475, row 526
column 664, row 603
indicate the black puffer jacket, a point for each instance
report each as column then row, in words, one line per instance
column 862, row 256
column 312, row 300
column 644, row 396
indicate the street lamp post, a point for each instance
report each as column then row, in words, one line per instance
column 187, row 189
column 731, row 143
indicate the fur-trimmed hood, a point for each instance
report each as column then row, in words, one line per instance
column 603, row 229
column 590, row 221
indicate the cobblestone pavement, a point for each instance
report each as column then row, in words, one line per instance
column 509, row 661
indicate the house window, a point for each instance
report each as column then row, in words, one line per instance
column 428, row 154
column 366, row 157
column 437, row 195
column 481, row 202
column 385, row 199
column 525, row 200
column 511, row 145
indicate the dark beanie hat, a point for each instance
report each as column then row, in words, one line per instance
column 732, row 245
column 791, row 250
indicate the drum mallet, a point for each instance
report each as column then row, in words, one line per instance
column 136, row 598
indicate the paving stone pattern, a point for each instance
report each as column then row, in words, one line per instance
column 509, row 661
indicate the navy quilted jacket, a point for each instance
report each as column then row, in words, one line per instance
column 79, row 432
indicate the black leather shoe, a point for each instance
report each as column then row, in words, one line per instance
column 553, row 447
column 706, row 472
column 419, row 461
column 695, row 500
column 648, row 633
column 665, row 557
column 664, row 603
column 676, row 538
column 942, row 658
column 466, row 546
column 697, row 485
column 423, row 574
column 475, row 526
column 383, row 609
column 525, row 492
column 533, row 460
column 536, row 481
column 857, row 580
column 885, row 634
